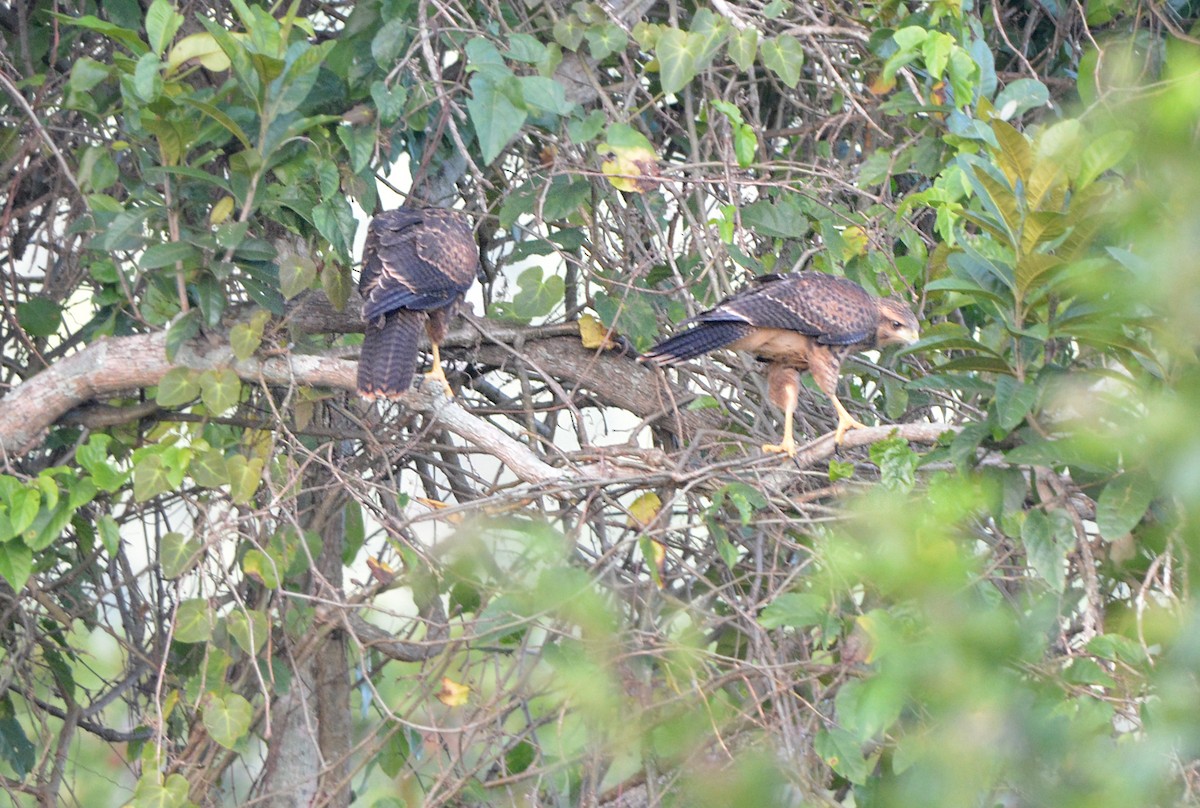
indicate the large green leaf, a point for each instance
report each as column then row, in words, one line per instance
column 784, row 56
column 1122, row 504
column 227, row 718
column 495, row 116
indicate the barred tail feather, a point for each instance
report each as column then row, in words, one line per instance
column 700, row 339
column 389, row 355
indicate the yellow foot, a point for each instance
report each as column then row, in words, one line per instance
column 787, row 446
column 439, row 375
column 844, row 424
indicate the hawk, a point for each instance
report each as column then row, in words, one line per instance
column 795, row 322
column 417, row 265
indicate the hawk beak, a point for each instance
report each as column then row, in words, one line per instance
column 907, row 336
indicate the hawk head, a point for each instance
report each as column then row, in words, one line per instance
column 897, row 324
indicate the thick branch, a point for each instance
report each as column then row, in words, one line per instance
column 120, row 364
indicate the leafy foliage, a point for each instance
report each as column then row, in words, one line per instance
column 206, row 566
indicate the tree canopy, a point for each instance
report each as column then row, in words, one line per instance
column 224, row 579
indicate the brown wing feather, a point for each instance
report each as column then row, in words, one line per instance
column 835, row 310
column 416, row 259
column 417, row 264
column 389, row 355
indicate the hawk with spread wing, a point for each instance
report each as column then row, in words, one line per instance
column 796, row 322
column 417, row 265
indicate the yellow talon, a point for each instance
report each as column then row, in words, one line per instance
column 438, row 373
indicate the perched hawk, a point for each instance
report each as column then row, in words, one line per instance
column 417, row 264
column 796, row 322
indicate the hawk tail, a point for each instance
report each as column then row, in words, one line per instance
column 701, row 339
column 389, row 355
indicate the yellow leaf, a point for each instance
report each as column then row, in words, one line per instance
column 855, row 239
column 452, row 693
column 882, row 85
column 644, row 509
column 630, row 169
column 593, row 334
column 864, row 633
column 220, row 211
column 201, row 48
column 438, row 505
column 381, row 572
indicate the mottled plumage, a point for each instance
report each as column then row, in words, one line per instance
column 797, row 322
column 417, row 265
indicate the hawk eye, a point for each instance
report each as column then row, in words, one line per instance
column 897, row 324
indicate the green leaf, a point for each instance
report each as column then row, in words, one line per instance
column 1014, row 155
column 249, row 630
column 150, row 478
column 193, row 621
column 605, row 39
column 335, row 221
column 227, row 718
column 15, row 748
column 244, row 477
column 16, row 563
column 784, row 56
column 745, row 144
column 568, row 31
column 676, row 61
column 583, row 130
column 1045, row 549
column 784, row 218
column 162, row 21
column 525, row 48
column 897, row 463
column 546, row 95
column 245, row 339
column 94, row 458
column 39, row 316
column 220, row 389
column 495, row 117
column 110, row 534
column 336, row 282
column 148, row 85
column 125, row 36
column 869, row 707
column 296, row 273
column 538, row 295
column 742, row 48
column 221, row 118
column 840, row 470
column 935, row 50
column 1122, row 504
column 1101, row 154
column 1013, row 401
column 360, row 145
column 149, row 793
column 177, row 554
column 209, row 469
column 794, row 610
column 1019, row 97
column 260, row 566
column 178, row 386
column 843, row 753
column 185, row 327
column 389, row 101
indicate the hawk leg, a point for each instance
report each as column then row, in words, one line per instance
column 438, row 373
column 845, row 421
column 825, row 366
column 783, row 388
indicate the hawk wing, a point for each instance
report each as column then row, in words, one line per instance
column 831, row 310
column 834, row 310
column 417, row 264
column 416, row 259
